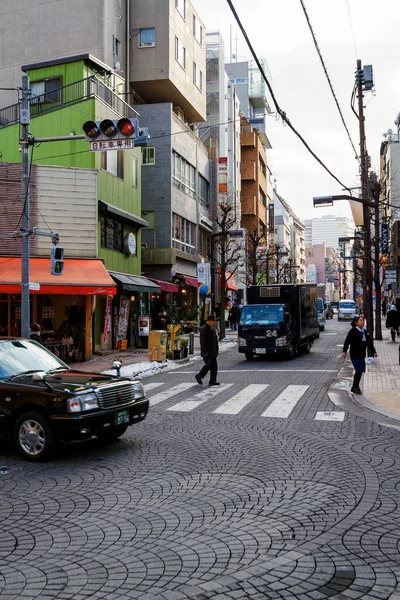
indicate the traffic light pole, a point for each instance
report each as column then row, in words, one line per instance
column 24, row 141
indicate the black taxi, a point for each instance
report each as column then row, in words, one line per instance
column 43, row 401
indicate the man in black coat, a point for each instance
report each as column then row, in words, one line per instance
column 359, row 340
column 209, row 351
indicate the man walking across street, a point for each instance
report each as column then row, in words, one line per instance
column 209, row 351
column 359, row 340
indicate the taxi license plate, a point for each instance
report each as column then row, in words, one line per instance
column 260, row 350
column 122, row 417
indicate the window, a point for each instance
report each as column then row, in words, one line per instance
column 197, row 77
column 181, row 6
column 134, row 171
column 262, row 197
column 203, row 191
column 183, row 234
column 46, row 91
column 149, row 155
column 180, row 53
column 197, row 30
column 183, row 175
column 147, row 37
column 204, row 243
column 117, row 47
column 111, row 234
column 113, row 162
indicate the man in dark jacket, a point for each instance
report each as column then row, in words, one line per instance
column 359, row 340
column 209, row 351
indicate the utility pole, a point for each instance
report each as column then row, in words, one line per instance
column 24, row 141
column 367, row 288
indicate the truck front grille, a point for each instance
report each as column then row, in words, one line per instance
column 115, row 394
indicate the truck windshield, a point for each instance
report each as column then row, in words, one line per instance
column 261, row 315
column 347, row 305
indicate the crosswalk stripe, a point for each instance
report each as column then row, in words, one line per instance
column 283, row 405
column 188, row 405
column 236, row 403
column 177, row 389
column 151, row 386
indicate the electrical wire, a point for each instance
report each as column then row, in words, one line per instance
column 281, row 113
column 351, row 27
column 328, row 78
column 26, row 193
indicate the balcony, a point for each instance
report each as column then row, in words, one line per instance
column 91, row 87
column 247, row 138
column 257, row 86
column 249, row 205
column 248, row 171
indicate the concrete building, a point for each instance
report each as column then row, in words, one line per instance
column 327, row 230
column 289, row 241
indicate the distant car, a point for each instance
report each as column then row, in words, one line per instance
column 43, row 401
column 347, row 310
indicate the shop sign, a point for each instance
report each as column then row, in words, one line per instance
column 384, row 238
column 123, row 318
column 204, row 274
column 107, row 319
column 223, row 175
column 144, row 325
column 391, row 275
column 34, row 286
column 271, row 218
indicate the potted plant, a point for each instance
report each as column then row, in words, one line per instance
column 183, row 345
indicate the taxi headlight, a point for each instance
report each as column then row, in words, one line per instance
column 242, row 342
column 138, row 391
column 82, row 403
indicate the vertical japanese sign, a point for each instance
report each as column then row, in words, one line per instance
column 204, row 274
column 223, row 175
column 107, row 319
column 271, row 218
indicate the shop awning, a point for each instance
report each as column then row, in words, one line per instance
column 80, row 277
column 230, row 282
column 166, row 286
column 135, row 283
column 190, row 281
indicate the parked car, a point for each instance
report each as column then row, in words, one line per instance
column 43, row 401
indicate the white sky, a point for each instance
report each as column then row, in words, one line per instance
column 279, row 32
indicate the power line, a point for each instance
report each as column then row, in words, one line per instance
column 281, row 113
column 328, row 78
column 351, row 27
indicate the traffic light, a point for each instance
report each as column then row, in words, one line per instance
column 109, row 129
column 56, row 258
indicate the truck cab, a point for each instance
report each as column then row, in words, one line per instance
column 265, row 329
column 347, row 310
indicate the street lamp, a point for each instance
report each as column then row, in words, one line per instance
column 328, row 201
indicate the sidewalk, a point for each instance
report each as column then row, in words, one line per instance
column 136, row 362
column 381, row 382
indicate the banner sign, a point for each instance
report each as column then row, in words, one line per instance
column 223, row 175
column 107, row 319
column 271, row 218
column 384, row 238
column 204, row 274
column 391, row 275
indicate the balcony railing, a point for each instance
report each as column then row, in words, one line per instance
column 65, row 96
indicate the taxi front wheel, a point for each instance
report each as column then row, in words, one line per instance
column 33, row 437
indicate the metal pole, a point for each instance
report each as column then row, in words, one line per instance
column 24, row 141
column 367, row 287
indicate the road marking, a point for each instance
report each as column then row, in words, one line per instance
column 329, row 415
column 177, row 389
column 235, row 404
column 288, row 370
column 151, row 386
column 188, row 405
column 335, row 398
column 283, row 405
column 328, row 333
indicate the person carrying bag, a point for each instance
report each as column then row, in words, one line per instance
column 359, row 340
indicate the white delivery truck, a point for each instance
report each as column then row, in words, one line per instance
column 346, row 310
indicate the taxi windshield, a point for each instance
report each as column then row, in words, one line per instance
column 26, row 356
column 262, row 315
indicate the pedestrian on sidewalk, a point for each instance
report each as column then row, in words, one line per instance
column 384, row 307
column 209, row 351
column 359, row 340
column 393, row 321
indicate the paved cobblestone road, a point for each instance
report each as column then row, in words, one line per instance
column 194, row 504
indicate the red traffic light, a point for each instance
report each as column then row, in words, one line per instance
column 108, row 128
column 126, row 127
column 91, row 129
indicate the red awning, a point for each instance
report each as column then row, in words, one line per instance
column 230, row 284
column 166, row 286
column 80, row 277
column 190, row 281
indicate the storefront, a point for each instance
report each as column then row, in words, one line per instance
column 62, row 305
column 131, row 310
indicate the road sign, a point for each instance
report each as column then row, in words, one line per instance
column 34, row 286
column 101, row 146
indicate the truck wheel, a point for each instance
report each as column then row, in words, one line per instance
column 110, row 435
column 291, row 353
column 307, row 347
column 33, row 437
column 249, row 356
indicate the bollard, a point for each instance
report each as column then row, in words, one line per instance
column 191, row 343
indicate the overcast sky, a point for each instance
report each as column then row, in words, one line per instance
column 345, row 31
